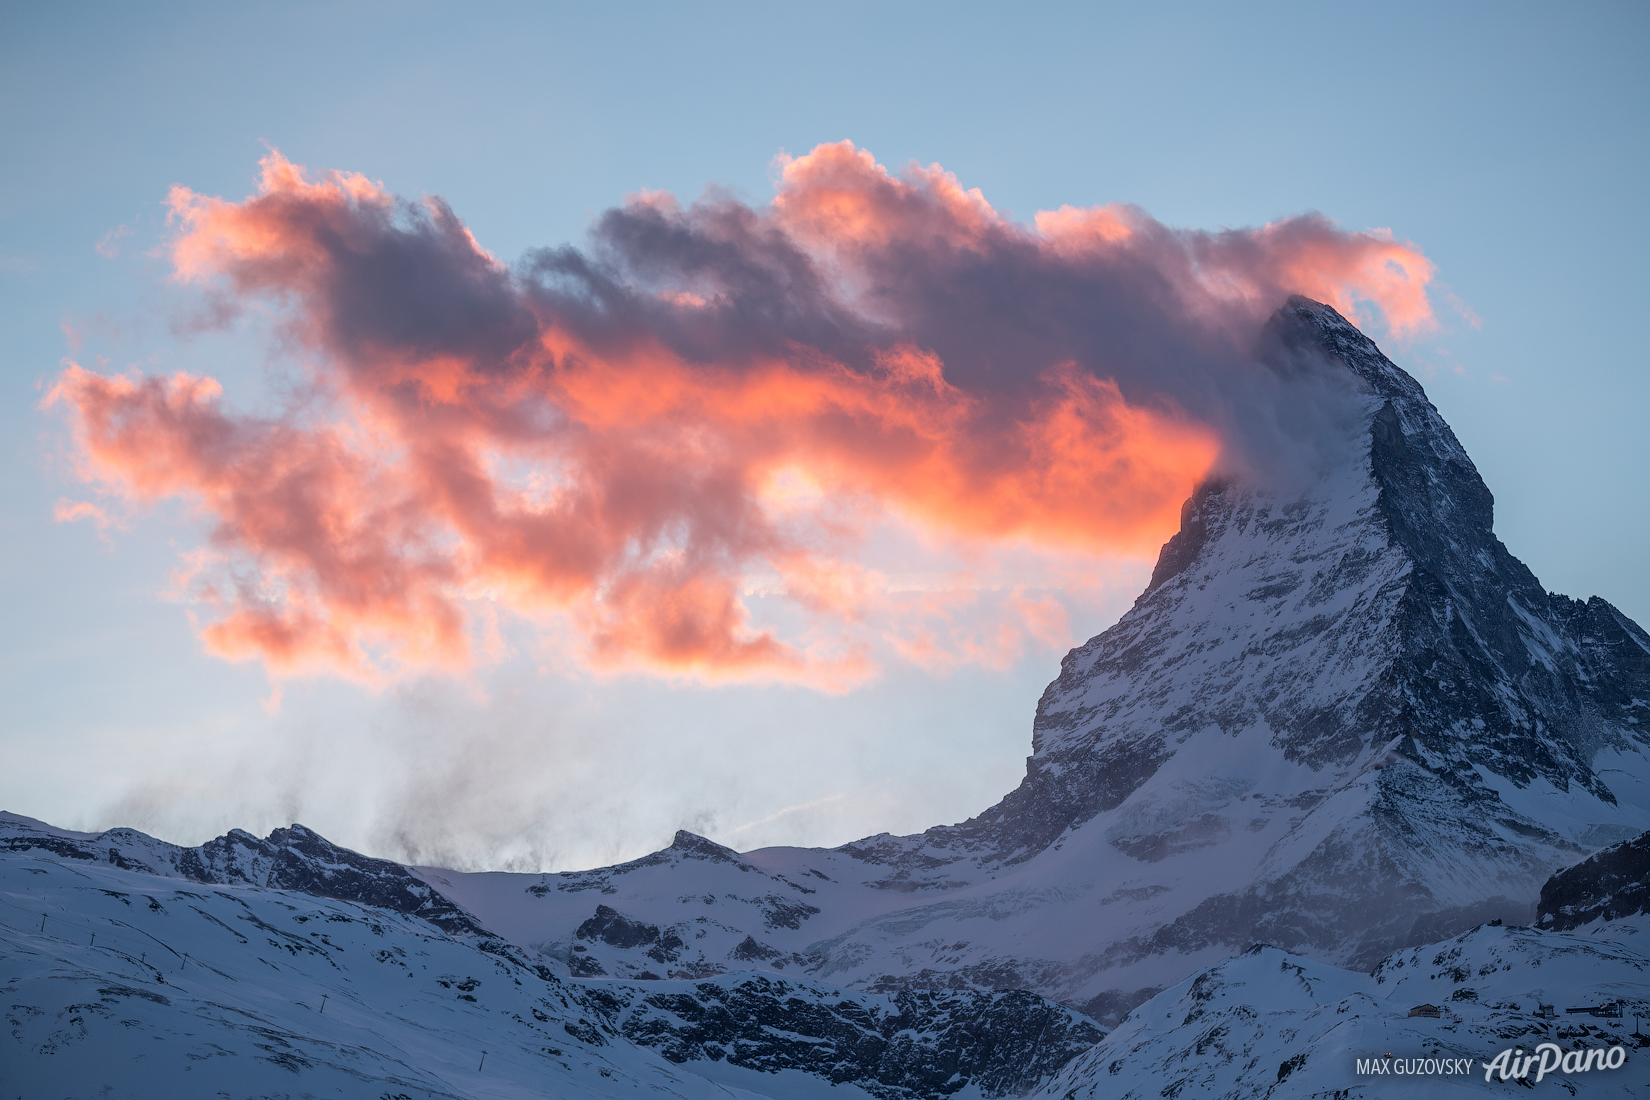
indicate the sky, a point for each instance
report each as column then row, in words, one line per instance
column 499, row 435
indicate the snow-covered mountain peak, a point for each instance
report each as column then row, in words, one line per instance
column 1308, row 328
column 694, row 846
column 1342, row 718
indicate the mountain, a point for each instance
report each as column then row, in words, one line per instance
column 290, row 966
column 154, row 985
column 1342, row 719
column 119, row 981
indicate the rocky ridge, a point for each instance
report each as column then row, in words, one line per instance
column 169, row 986
column 296, row 859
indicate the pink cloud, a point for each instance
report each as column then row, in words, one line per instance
column 616, row 439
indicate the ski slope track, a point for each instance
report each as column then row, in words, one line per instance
column 1342, row 721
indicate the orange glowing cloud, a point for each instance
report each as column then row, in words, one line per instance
column 1309, row 256
column 619, row 443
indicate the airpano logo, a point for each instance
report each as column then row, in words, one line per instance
column 1550, row 1057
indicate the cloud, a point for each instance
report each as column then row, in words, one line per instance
column 611, row 442
column 108, row 246
column 69, row 511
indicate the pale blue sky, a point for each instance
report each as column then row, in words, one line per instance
column 1508, row 141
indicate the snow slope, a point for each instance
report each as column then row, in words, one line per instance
column 1268, row 1024
column 124, row 983
column 139, row 986
column 152, row 985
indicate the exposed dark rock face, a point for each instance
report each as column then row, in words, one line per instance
column 781, row 912
column 750, row 949
column 1112, row 1006
column 1607, row 885
column 612, row 927
column 306, row 862
column 911, row 1046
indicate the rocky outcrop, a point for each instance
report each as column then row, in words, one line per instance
column 1608, row 885
column 909, row 1046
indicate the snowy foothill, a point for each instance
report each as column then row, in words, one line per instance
column 1270, row 1024
column 131, row 983
column 155, row 986
column 123, row 983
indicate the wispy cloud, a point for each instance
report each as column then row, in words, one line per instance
column 108, row 246
column 786, row 812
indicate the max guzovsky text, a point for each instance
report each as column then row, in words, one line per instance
column 1418, row 1067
